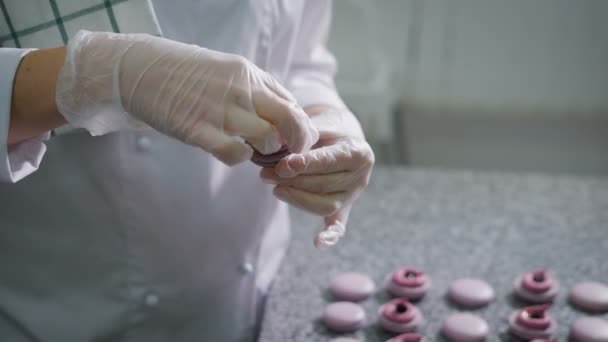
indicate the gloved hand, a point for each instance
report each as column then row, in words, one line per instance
column 202, row 97
column 327, row 179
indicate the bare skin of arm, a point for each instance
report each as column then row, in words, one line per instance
column 33, row 107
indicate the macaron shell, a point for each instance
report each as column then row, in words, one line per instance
column 465, row 327
column 535, row 297
column 352, row 286
column 534, row 317
column 269, row 160
column 402, row 278
column 392, row 313
column 537, row 281
column 415, row 293
column 471, row 293
column 589, row 329
column 407, row 337
column 400, row 328
column 592, row 296
column 529, row 334
column 344, row 316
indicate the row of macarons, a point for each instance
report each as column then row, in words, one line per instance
column 410, row 284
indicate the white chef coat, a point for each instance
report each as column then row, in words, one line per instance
column 134, row 236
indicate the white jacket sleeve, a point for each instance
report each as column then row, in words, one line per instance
column 18, row 160
column 311, row 75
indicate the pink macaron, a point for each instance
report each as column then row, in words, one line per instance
column 471, row 293
column 533, row 322
column 344, row 316
column 400, row 316
column 351, row 286
column 590, row 296
column 537, row 286
column 589, row 329
column 465, row 327
column 269, row 160
column 407, row 337
column 408, row 282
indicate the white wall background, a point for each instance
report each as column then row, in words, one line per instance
column 539, row 67
column 547, row 53
column 514, row 52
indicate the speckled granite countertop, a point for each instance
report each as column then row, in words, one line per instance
column 453, row 224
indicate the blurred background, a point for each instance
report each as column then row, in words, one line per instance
column 513, row 85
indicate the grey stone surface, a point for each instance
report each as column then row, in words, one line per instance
column 453, row 224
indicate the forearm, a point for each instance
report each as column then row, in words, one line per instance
column 33, row 107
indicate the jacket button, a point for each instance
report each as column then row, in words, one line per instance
column 151, row 299
column 246, row 268
column 143, row 144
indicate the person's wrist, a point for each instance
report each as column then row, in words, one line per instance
column 335, row 123
column 87, row 86
column 33, row 107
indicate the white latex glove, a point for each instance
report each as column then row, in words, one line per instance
column 205, row 98
column 327, row 179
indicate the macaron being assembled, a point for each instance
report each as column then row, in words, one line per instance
column 471, row 293
column 536, row 287
column 589, row 329
column 408, row 282
column 352, row 286
column 591, row 296
column 533, row 322
column 269, row 160
column 344, row 316
column 400, row 316
column 465, row 327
